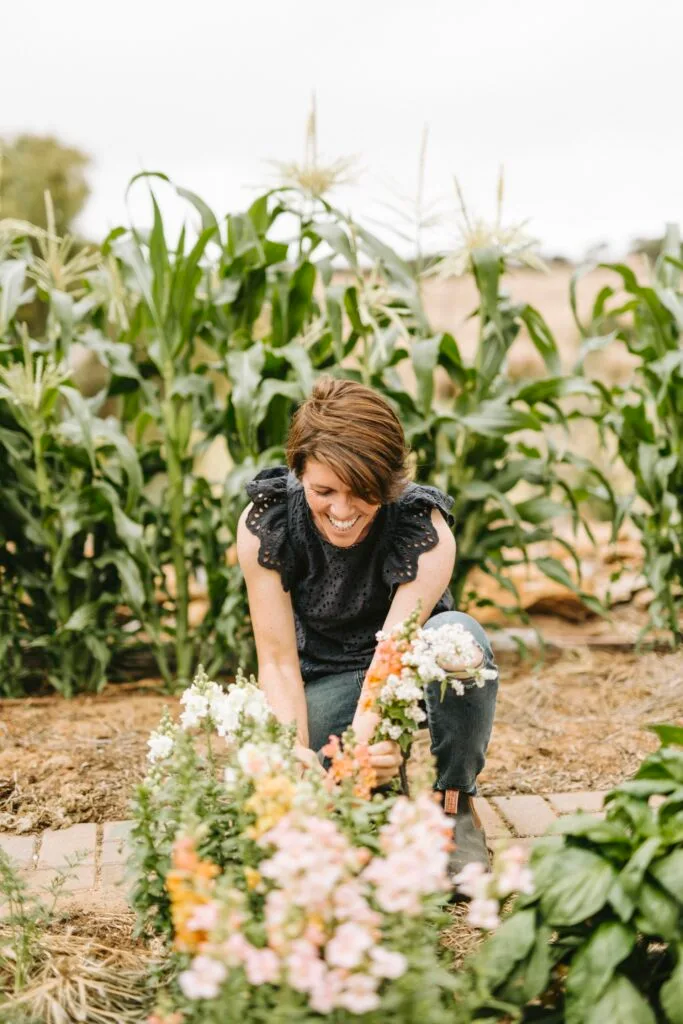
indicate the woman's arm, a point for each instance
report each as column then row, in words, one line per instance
column 272, row 617
column 434, row 571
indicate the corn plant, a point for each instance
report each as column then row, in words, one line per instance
column 646, row 415
column 70, row 544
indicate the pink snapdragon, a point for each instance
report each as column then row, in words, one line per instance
column 203, row 979
column 487, row 888
column 348, row 945
column 204, row 917
column 386, row 963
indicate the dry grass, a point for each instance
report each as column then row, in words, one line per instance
column 75, row 979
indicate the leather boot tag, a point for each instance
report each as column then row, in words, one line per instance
column 450, row 801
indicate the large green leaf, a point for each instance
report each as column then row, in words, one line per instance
column 579, row 887
column 621, row 1003
column 245, row 370
column 509, row 945
column 669, row 873
column 592, row 968
column 671, row 993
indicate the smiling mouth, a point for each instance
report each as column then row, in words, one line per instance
column 343, row 525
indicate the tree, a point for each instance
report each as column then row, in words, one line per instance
column 29, row 165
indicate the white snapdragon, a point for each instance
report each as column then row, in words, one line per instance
column 160, row 747
column 162, row 741
column 242, row 704
column 258, row 759
column 198, row 699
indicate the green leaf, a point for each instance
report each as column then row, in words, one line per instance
column 621, row 1003
column 658, row 913
column 593, row 966
column 669, row 873
column 542, row 339
column 12, row 274
column 669, row 734
column 245, row 370
column 336, row 238
column 83, row 617
column 425, row 355
column 497, row 418
column 632, row 875
column 552, row 388
column 671, row 992
column 299, row 299
column 131, row 581
column 510, row 944
column 578, row 888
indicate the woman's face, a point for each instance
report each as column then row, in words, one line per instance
column 341, row 516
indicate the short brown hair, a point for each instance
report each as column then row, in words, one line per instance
column 354, row 431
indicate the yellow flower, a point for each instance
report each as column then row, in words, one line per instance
column 272, row 798
column 253, row 878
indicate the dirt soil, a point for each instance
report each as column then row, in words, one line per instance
column 576, row 720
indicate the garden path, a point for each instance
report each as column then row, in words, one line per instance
column 101, row 851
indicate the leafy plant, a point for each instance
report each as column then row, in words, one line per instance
column 601, row 938
column 70, row 545
column 645, row 416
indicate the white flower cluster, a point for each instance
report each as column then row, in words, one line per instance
column 161, row 742
column 435, row 653
column 401, row 693
column 228, row 710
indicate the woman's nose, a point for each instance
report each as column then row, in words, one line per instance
column 342, row 509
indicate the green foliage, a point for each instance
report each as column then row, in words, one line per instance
column 70, row 546
column 30, row 165
column 601, row 937
column 646, row 416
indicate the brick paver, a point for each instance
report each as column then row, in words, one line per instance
column 103, row 866
column 18, row 848
column 494, row 826
column 115, row 842
column 61, row 845
column 77, row 879
column 570, row 803
column 528, row 815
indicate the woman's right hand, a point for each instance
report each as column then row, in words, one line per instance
column 385, row 758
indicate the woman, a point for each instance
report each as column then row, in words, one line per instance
column 335, row 548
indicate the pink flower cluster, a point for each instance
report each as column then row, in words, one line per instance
column 415, row 843
column 486, row 889
column 326, row 907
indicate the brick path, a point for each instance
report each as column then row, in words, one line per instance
column 102, row 850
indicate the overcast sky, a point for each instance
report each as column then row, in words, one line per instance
column 580, row 101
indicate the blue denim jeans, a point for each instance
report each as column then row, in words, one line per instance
column 460, row 727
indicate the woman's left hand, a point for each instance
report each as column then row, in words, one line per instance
column 385, row 758
column 459, row 669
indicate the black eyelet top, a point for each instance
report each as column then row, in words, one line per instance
column 341, row 596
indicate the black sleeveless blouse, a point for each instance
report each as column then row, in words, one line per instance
column 341, row 596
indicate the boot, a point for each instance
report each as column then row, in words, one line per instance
column 468, row 832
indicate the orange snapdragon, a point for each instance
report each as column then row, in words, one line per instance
column 351, row 762
column 386, row 662
column 190, row 884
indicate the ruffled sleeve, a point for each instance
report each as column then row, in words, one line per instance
column 413, row 532
column 268, row 520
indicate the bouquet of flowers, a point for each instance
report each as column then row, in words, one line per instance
column 407, row 660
